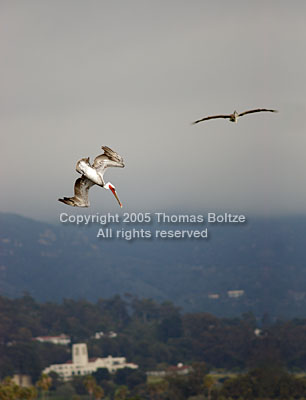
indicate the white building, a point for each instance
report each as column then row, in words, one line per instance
column 99, row 335
column 258, row 332
column 179, row 369
column 61, row 339
column 234, row 294
column 81, row 365
column 213, row 296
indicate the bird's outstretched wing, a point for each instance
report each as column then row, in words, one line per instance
column 111, row 154
column 81, row 189
column 108, row 159
column 255, row 111
column 211, row 117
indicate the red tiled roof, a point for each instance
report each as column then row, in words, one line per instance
column 90, row 360
column 52, row 337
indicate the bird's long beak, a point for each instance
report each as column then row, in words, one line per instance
column 115, row 194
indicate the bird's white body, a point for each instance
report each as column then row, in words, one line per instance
column 90, row 173
column 234, row 117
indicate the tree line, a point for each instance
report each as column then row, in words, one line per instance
column 152, row 335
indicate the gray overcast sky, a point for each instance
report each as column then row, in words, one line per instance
column 133, row 75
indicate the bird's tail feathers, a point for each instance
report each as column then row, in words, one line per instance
column 68, row 200
column 72, row 201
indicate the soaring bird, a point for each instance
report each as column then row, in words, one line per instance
column 234, row 117
column 93, row 175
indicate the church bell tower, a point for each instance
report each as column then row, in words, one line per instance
column 79, row 354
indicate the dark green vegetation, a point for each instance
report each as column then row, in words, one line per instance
column 156, row 337
column 151, row 335
column 260, row 384
column 268, row 382
column 266, row 258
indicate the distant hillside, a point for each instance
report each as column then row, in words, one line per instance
column 265, row 258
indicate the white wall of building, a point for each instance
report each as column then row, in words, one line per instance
column 81, row 365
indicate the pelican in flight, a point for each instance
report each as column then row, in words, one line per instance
column 93, row 175
column 234, row 117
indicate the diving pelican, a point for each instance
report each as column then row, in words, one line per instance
column 93, row 175
column 234, row 117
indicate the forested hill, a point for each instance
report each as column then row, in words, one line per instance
column 156, row 337
column 148, row 334
column 265, row 258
